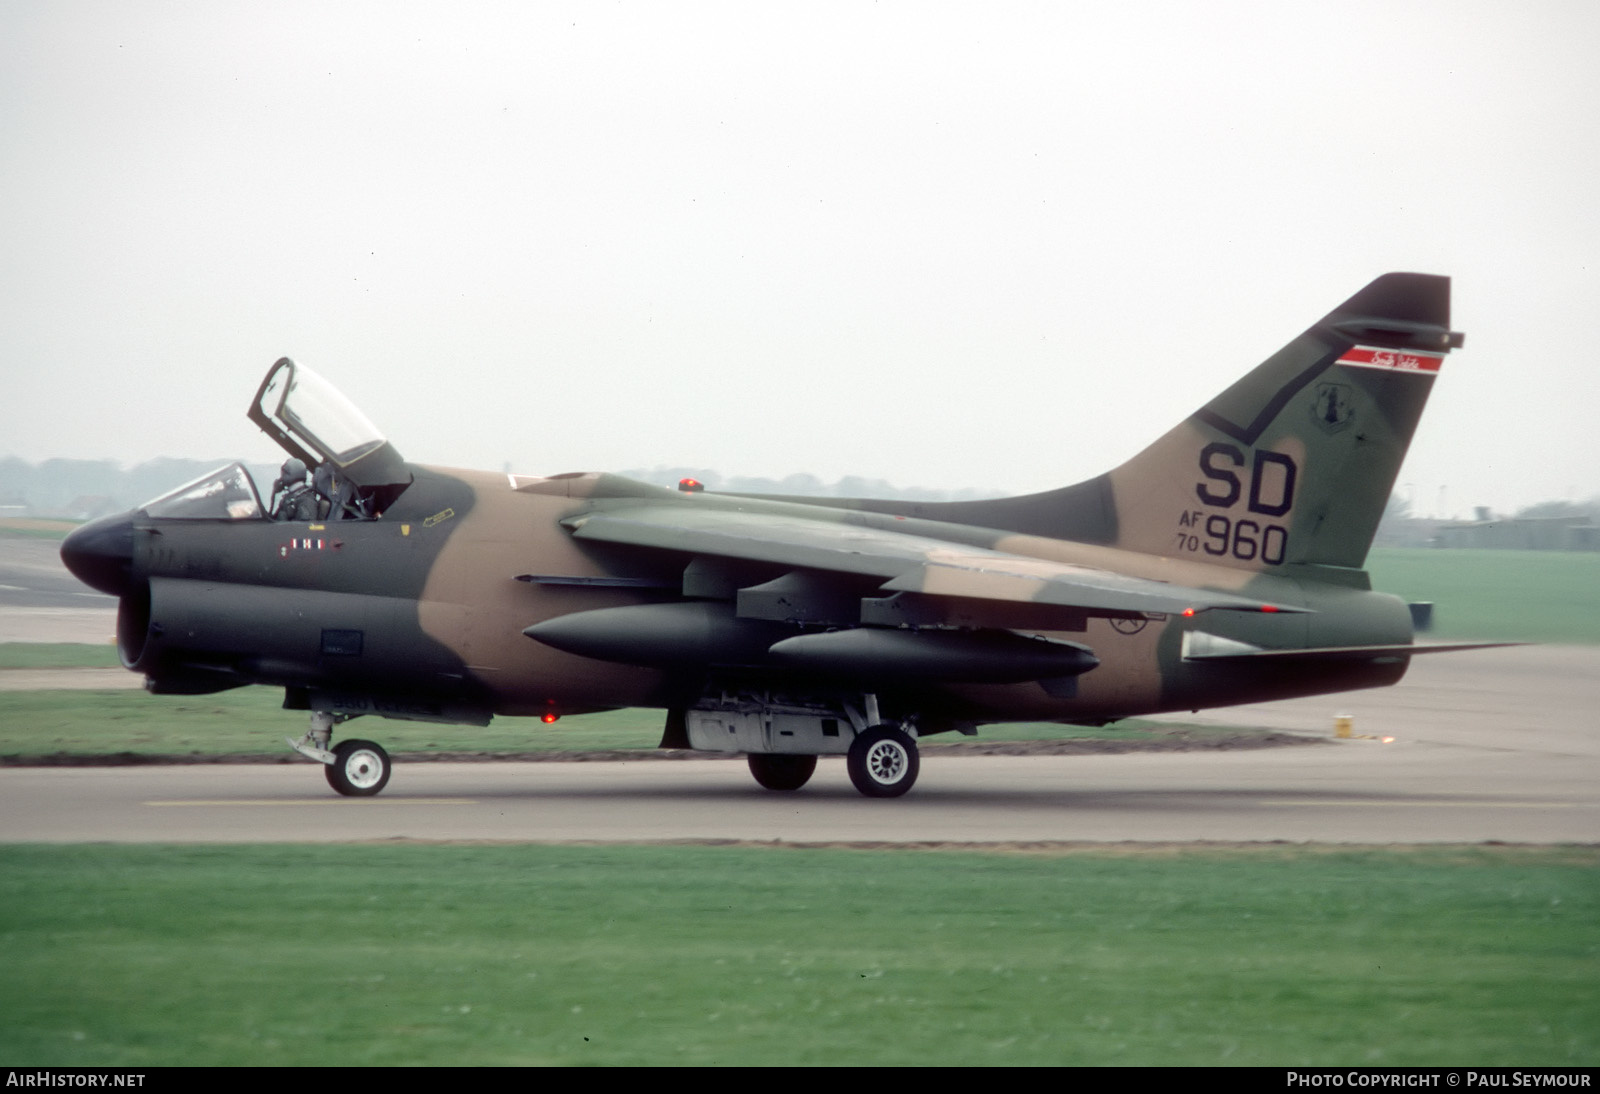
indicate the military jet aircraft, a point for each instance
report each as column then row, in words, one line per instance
column 1221, row 565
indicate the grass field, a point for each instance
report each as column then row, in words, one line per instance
column 1514, row 596
column 57, row 655
column 1531, row 596
column 136, row 956
column 36, row 528
column 252, row 721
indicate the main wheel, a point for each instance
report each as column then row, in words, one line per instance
column 883, row 762
column 779, row 771
column 360, row 769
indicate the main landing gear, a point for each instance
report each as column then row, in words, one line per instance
column 782, row 735
column 883, row 762
column 355, row 768
column 777, row 771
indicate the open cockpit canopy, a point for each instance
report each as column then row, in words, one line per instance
column 313, row 422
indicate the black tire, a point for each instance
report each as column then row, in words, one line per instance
column 359, row 770
column 883, row 762
column 781, row 771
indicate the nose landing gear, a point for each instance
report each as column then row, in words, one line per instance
column 355, row 768
column 360, row 769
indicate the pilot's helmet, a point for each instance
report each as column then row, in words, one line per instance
column 294, row 471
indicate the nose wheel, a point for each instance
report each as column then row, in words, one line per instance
column 359, row 770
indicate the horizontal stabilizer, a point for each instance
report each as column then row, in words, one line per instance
column 1199, row 646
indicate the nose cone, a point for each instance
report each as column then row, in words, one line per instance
column 100, row 553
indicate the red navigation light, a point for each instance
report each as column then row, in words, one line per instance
column 691, row 486
column 548, row 716
column 1269, row 607
column 1188, row 611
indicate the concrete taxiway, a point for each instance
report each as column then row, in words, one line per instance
column 1488, row 745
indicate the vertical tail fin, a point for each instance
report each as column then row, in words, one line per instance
column 1294, row 463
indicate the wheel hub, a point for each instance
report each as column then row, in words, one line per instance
column 887, row 762
column 363, row 769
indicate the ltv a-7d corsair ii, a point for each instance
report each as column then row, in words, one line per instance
column 1221, row 565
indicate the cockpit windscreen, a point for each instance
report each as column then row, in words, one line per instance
column 224, row 494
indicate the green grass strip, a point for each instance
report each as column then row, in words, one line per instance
column 1513, row 596
column 253, row 721
column 58, row 655
column 382, row 955
column 36, row 528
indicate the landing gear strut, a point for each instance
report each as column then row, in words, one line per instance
column 314, row 745
column 354, row 768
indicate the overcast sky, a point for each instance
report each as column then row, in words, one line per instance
column 948, row 245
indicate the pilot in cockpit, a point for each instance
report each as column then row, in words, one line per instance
column 340, row 498
column 293, row 498
column 341, row 467
column 320, row 495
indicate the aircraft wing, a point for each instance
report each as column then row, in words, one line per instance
column 907, row 562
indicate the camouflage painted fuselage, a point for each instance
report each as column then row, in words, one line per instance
column 1221, row 565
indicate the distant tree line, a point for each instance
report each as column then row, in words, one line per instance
column 1530, row 526
column 850, row 486
column 84, row 489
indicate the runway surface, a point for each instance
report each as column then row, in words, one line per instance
column 1489, row 745
column 41, row 602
